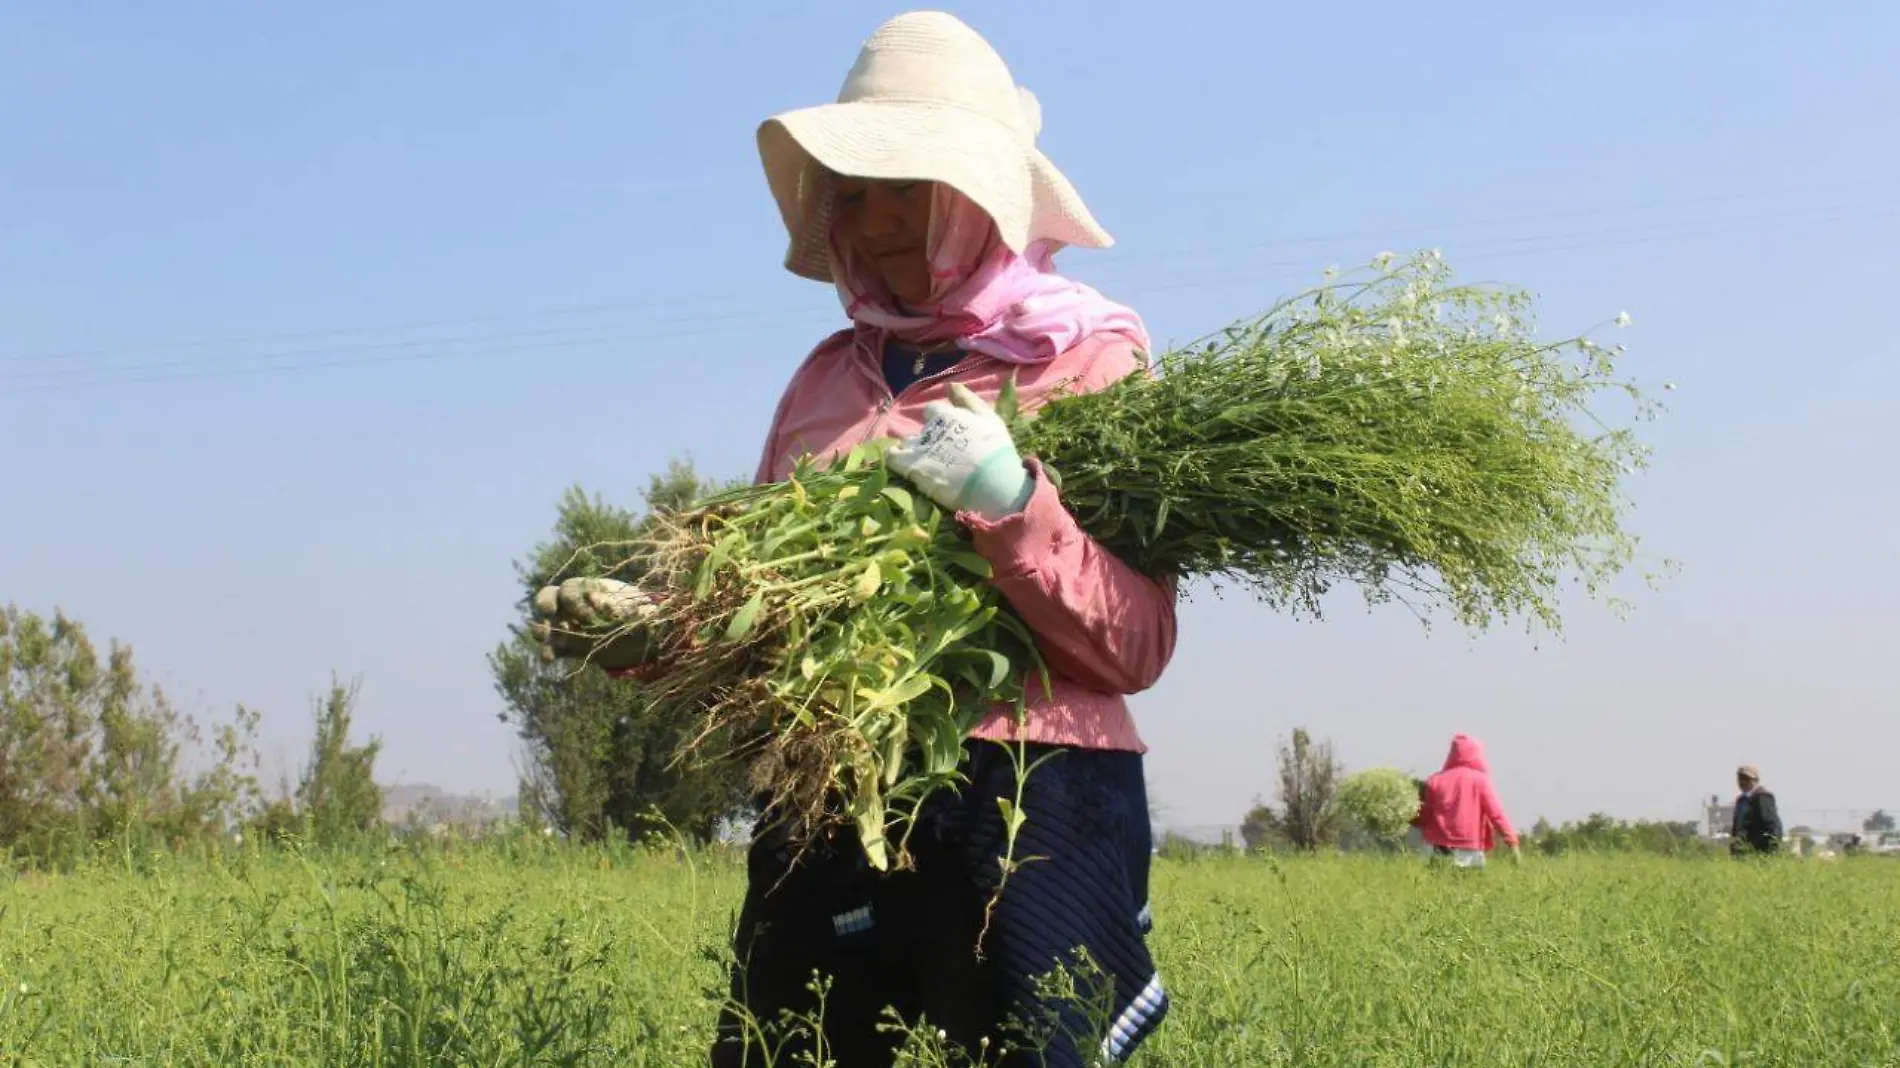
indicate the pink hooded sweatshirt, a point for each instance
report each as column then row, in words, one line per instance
column 1461, row 806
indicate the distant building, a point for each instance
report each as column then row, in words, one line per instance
column 1718, row 817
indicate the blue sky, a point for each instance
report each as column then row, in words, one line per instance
column 308, row 316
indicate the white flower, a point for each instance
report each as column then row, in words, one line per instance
column 1384, row 260
column 1623, row 319
column 1669, row 385
column 1331, row 272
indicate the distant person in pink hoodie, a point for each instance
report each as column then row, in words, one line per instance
column 1460, row 807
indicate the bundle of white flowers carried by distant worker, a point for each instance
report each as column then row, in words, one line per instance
column 1382, row 801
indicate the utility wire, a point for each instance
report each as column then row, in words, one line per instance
column 753, row 300
column 433, row 349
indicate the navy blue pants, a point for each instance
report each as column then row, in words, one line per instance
column 909, row 940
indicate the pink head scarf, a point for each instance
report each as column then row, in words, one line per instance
column 985, row 297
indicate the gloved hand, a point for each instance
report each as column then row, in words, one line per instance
column 605, row 621
column 964, row 458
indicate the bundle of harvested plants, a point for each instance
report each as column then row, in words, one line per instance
column 1391, row 430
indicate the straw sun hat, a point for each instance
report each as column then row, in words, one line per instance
column 927, row 100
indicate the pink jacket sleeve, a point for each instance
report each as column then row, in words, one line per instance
column 1097, row 621
column 1493, row 813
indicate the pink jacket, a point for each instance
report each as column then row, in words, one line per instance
column 1461, row 806
column 1105, row 629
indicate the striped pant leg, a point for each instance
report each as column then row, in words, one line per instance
column 1079, row 907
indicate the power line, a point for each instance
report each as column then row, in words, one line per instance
column 752, row 300
column 696, row 327
column 45, row 379
column 1884, row 185
column 1542, row 244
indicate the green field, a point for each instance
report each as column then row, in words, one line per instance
column 528, row 952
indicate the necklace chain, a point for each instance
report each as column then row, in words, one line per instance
column 917, row 365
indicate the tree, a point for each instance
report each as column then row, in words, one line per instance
column 1600, row 833
column 88, row 751
column 338, row 796
column 596, row 756
column 1307, row 816
column 1881, row 822
column 1258, row 830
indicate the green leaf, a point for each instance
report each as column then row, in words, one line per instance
column 709, row 568
column 999, row 669
column 867, row 585
column 911, row 688
column 893, row 757
column 1008, row 402
column 703, row 580
column 741, row 624
column 972, row 563
column 901, row 497
column 875, row 481
column 956, row 632
column 778, row 539
column 1012, row 816
column 943, row 747
column 871, row 834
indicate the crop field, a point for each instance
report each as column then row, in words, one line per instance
column 530, row 952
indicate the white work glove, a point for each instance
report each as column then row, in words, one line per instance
column 964, row 458
column 575, row 618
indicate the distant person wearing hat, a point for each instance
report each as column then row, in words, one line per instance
column 1459, row 808
column 921, row 198
column 1757, row 825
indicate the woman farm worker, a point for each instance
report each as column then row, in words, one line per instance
column 920, row 195
column 1459, row 807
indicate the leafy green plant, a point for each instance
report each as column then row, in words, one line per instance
column 527, row 951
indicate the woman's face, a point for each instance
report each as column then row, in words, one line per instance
column 888, row 224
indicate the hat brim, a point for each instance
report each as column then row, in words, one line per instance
column 985, row 160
